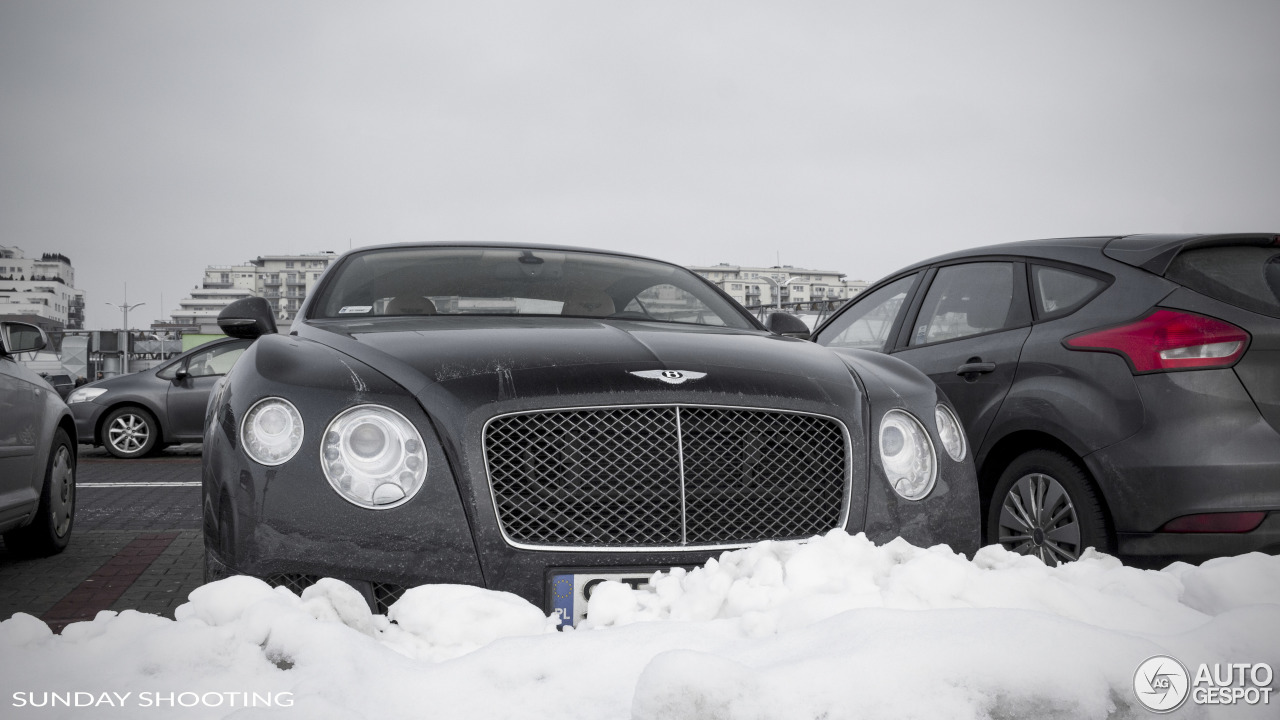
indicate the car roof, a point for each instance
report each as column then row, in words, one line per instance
column 506, row 245
column 1155, row 252
column 1152, row 252
column 1020, row 247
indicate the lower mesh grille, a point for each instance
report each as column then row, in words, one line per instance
column 385, row 595
column 665, row 476
column 295, row 582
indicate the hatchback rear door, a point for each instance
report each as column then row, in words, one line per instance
column 967, row 333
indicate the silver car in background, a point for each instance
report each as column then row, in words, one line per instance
column 37, row 451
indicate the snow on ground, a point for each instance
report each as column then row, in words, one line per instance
column 835, row 627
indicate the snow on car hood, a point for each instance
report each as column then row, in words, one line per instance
column 835, row 627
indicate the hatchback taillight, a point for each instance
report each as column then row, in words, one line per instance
column 1168, row 340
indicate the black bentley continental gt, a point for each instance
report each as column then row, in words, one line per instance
column 538, row 419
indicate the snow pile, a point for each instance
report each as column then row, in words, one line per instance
column 835, row 627
column 780, row 586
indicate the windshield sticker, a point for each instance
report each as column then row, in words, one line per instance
column 355, row 309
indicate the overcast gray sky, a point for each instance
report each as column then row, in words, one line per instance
column 147, row 140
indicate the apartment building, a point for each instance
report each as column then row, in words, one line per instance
column 283, row 280
column 783, row 284
column 40, row 290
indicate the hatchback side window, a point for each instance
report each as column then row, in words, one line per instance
column 216, row 361
column 1059, row 292
column 867, row 323
column 966, row 300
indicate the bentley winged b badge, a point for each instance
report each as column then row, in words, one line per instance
column 675, row 377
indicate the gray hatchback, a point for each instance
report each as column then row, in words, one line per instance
column 1121, row 393
column 37, row 451
column 139, row 413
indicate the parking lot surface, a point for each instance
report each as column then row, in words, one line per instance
column 136, row 544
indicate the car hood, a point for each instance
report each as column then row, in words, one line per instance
column 493, row 359
column 144, row 381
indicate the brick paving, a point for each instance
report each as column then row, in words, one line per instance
column 170, row 577
column 131, row 548
column 108, row 583
column 137, row 508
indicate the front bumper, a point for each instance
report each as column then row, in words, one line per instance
column 287, row 525
column 87, row 415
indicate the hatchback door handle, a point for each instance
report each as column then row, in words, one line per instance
column 973, row 368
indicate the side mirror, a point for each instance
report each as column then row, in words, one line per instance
column 787, row 325
column 181, row 374
column 247, row 318
column 20, row 337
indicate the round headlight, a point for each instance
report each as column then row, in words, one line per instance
column 272, row 431
column 373, row 457
column 950, row 432
column 907, row 454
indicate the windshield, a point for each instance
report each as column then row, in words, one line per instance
column 501, row 281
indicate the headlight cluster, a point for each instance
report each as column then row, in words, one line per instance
column 374, row 457
column 907, row 454
column 950, row 432
column 87, row 394
column 370, row 454
column 272, row 431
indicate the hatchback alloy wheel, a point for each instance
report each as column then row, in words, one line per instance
column 1038, row 518
column 1045, row 505
column 130, row 432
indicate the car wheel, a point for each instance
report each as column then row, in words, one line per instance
column 1045, row 505
column 50, row 532
column 130, row 432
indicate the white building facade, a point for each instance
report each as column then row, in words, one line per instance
column 41, row 290
column 752, row 286
column 283, row 280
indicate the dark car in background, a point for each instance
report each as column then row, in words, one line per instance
column 37, row 451
column 536, row 419
column 139, row 413
column 61, row 383
column 1120, row 392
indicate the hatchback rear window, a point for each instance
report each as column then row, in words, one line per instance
column 1247, row 277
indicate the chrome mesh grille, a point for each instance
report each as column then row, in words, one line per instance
column 664, row 476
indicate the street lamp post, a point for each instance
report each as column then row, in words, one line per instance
column 126, row 307
column 777, row 294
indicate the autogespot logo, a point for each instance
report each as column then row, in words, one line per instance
column 1161, row 684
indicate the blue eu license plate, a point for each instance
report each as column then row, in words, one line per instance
column 570, row 592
